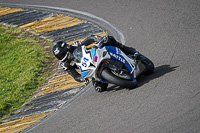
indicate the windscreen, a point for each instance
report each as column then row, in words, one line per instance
column 78, row 54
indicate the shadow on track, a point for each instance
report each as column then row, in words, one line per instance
column 158, row 72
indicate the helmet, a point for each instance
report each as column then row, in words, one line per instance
column 61, row 50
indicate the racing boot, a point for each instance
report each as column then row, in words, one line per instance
column 126, row 49
column 99, row 86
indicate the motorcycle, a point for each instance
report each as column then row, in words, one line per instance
column 109, row 64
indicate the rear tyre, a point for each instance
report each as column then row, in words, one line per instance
column 124, row 80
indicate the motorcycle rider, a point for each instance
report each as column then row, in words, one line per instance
column 64, row 52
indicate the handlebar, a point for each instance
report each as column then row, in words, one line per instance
column 99, row 43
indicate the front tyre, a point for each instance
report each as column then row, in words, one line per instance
column 148, row 64
column 121, row 79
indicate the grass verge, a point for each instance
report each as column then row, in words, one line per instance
column 25, row 62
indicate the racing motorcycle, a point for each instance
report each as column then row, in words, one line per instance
column 109, row 64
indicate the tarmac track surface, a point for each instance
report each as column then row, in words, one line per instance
column 168, row 101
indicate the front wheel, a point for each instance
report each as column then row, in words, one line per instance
column 148, row 64
column 122, row 79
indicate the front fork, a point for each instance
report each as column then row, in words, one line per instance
column 139, row 67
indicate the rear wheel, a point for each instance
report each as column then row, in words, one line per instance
column 121, row 78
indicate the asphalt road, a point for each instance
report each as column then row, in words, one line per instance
column 166, row 31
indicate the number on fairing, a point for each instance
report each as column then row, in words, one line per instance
column 84, row 62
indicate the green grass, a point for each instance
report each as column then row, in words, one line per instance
column 22, row 63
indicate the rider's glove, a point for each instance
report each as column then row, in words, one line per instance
column 103, row 41
column 76, row 43
column 81, row 79
column 87, row 81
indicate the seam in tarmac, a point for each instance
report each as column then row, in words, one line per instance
column 79, row 14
